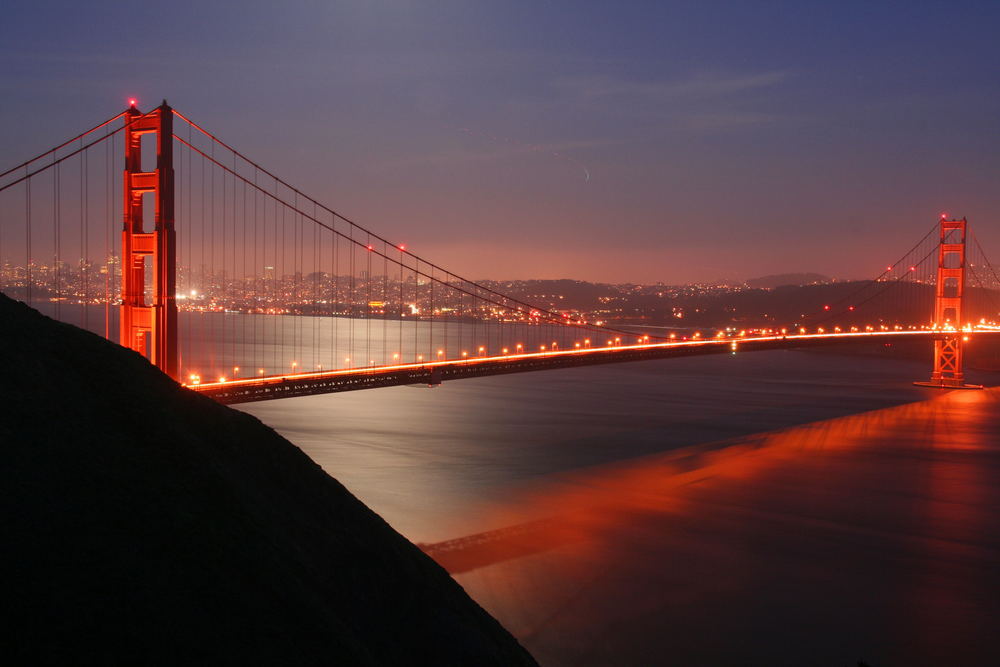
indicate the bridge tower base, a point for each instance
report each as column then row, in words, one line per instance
column 948, row 372
column 150, row 328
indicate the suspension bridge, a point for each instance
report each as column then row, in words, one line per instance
column 150, row 230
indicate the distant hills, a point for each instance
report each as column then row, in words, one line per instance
column 790, row 299
column 787, row 279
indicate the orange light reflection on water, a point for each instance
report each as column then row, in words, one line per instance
column 874, row 530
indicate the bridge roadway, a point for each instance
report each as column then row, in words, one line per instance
column 433, row 373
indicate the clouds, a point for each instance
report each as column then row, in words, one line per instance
column 696, row 85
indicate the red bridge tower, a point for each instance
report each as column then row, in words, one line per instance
column 948, row 299
column 150, row 328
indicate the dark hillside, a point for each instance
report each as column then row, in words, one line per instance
column 144, row 524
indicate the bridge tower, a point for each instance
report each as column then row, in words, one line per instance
column 149, row 328
column 948, row 299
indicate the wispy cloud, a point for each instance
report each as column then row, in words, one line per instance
column 697, row 86
column 487, row 148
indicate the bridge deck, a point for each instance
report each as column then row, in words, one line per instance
column 431, row 373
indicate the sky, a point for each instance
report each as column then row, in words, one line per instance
column 605, row 141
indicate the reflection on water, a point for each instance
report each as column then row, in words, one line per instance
column 716, row 510
column 432, row 460
column 871, row 536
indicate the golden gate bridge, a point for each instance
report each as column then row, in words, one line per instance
column 152, row 231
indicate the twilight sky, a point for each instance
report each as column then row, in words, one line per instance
column 611, row 141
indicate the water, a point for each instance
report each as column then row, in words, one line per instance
column 432, row 461
column 697, row 511
column 229, row 344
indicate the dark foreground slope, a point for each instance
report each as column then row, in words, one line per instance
column 144, row 524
